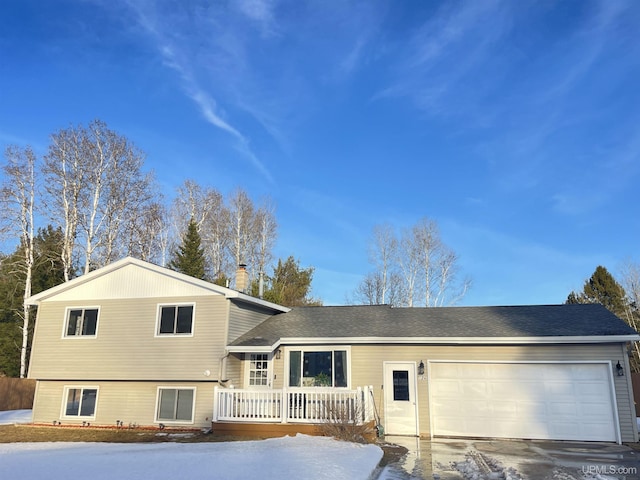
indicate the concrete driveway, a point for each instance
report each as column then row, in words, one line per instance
column 511, row 460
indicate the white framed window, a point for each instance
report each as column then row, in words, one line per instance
column 79, row 402
column 81, row 322
column 319, row 367
column 175, row 404
column 258, row 370
column 175, row 320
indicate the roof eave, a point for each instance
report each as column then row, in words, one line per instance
column 253, row 349
column 227, row 292
column 437, row 341
column 257, row 301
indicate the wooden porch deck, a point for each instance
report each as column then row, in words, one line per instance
column 263, row 430
column 273, row 430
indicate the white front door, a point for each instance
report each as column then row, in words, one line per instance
column 400, row 399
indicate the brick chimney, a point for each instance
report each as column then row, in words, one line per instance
column 242, row 278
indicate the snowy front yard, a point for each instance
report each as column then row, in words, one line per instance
column 289, row 457
column 295, row 457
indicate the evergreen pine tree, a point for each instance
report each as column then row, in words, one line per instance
column 189, row 258
column 290, row 285
column 48, row 271
column 601, row 288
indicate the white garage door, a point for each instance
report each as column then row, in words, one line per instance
column 557, row 401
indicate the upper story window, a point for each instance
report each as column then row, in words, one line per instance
column 318, row 368
column 175, row 320
column 81, row 322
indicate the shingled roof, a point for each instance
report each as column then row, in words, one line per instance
column 589, row 323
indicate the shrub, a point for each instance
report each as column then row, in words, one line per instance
column 344, row 421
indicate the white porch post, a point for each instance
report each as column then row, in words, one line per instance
column 284, row 405
column 215, row 403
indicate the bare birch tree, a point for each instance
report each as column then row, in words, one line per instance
column 206, row 207
column 232, row 230
column 426, row 247
column 64, row 177
column 17, row 198
column 630, row 281
column 147, row 233
column 409, row 262
column 265, row 228
column 414, row 269
column 94, row 181
column 241, row 215
column 383, row 254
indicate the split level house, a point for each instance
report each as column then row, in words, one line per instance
column 137, row 344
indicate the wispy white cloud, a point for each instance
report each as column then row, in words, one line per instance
column 469, row 66
column 179, row 57
column 438, row 58
column 261, row 12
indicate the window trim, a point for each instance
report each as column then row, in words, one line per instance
column 156, row 419
column 65, row 396
column 247, row 371
column 314, row 348
column 65, row 323
column 157, row 333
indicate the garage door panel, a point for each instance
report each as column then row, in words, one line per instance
column 520, row 400
column 446, row 408
column 451, row 387
column 473, row 388
column 589, row 389
column 595, row 411
column 563, row 409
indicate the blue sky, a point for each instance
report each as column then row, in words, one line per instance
column 515, row 125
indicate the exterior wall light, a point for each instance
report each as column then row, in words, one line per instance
column 619, row 369
column 278, row 354
column 421, row 368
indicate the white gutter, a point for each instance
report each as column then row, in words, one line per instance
column 437, row 341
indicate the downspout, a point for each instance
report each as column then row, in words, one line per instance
column 222, row 370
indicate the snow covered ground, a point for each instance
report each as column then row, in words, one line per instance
column 301, row 456
column 15, row 416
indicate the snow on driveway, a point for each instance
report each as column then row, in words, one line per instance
column 301, row 456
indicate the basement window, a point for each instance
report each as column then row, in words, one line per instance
column 80, row 402
column 175, row 404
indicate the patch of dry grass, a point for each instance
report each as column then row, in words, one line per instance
column 30, row 433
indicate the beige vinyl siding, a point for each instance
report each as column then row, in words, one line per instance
column 624, row 391
column 130, row 402
column 135, row 281
column 243, row 317
column 367, row 369
column 280, row 376
column 367, row 361
column 234, row 370
column 126, row 346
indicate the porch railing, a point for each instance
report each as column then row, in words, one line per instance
column 299, row 405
